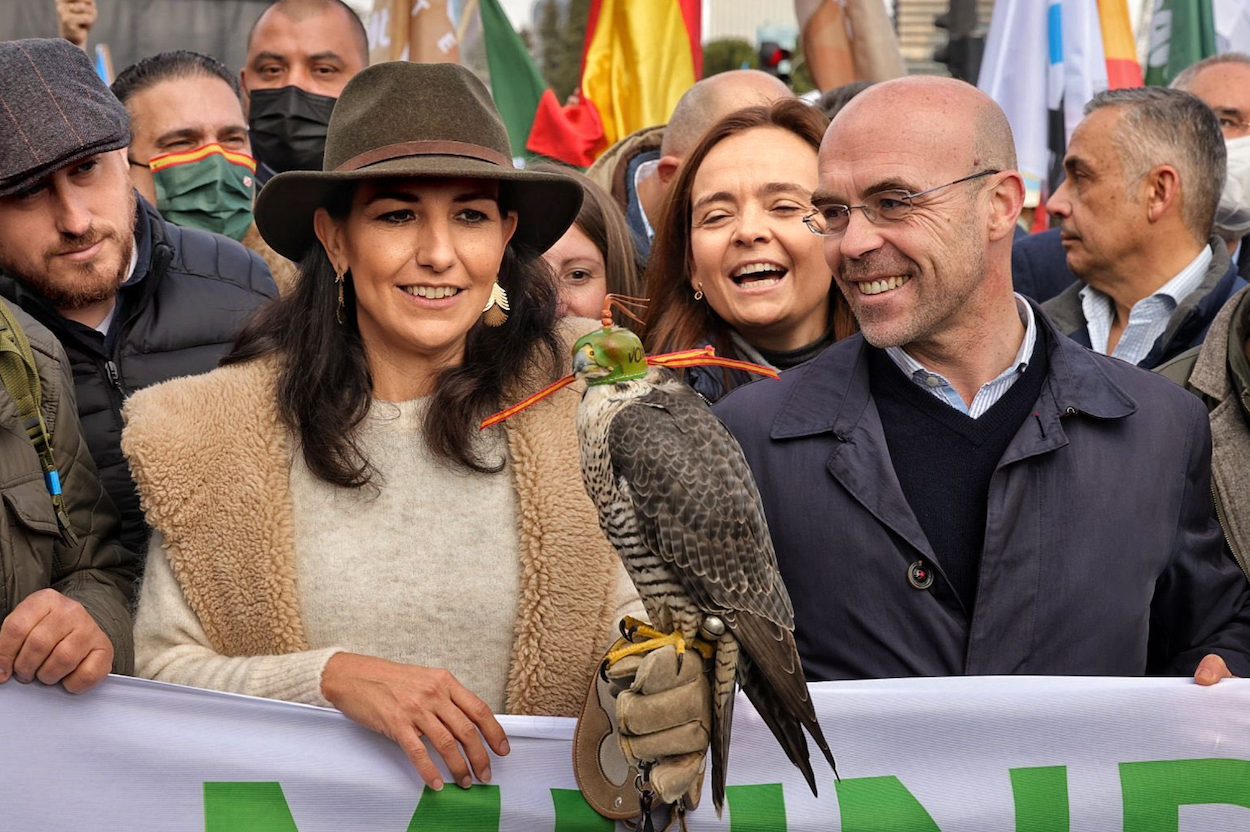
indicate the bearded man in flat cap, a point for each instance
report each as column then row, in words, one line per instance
column 133, row 299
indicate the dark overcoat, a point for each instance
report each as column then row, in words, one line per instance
column 1188, row 325
column 1101, row 554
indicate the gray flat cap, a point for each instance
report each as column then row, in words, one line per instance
column 54, row 111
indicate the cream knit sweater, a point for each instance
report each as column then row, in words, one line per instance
column 422, row 570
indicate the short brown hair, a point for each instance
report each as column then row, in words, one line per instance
column 675, row 320
column 602, row 220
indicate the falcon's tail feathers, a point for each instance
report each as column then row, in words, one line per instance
column 787, row 730
column 724, row 684
column 776, row 686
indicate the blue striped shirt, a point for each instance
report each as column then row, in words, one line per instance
column 991, row 391
column 1148, row 319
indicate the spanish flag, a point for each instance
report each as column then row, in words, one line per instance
column 1118, row 48
column 639, row 57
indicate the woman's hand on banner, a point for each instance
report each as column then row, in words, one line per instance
column 406, row 703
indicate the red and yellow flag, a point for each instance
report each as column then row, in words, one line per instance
column 639, row 57
column 1118, row 47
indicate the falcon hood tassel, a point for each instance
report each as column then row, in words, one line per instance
column 676, row 499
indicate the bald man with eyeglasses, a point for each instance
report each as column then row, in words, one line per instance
column 962, row 489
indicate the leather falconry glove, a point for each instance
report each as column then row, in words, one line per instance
column 664, row 717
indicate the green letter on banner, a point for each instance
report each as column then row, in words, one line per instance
column 457, row 810
column 881, row 804
column 1041, row 796
column 246, row 807
column 759, row 808
column 573, row 813
column 1155, row 791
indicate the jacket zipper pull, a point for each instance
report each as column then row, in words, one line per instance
column 114, row 376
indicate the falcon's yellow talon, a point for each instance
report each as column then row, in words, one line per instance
column 653, row 639
column 652, row 643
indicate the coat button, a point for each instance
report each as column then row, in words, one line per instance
column 920, row 575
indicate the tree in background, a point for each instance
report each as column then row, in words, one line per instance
column 560, row 36
column 724, row 54
column 801, row 72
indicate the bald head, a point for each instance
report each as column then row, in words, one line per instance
column 936, row 276
column 316, row 45
column 711, row 99
column 938, row 112
column 298, row 11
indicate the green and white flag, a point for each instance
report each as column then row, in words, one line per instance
column 515, row 82
column 1182, row 32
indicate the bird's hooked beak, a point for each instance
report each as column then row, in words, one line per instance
column 584, row 364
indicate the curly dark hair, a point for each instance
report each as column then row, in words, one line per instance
column 325, row 387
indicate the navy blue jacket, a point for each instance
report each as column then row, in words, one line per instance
column 1187, row 328
column 1101, row 553
column 1039, row 266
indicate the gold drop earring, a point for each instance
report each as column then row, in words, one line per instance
column 338, row 313
column 495, row 313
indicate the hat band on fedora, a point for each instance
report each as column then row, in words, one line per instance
column 424, row 148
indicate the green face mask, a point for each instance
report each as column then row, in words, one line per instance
column 209, row 188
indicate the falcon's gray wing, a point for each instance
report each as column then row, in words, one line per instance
column 696, row 502
column 698, row 508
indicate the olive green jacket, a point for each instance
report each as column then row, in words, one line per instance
column 1218, row 374
column 97, row 571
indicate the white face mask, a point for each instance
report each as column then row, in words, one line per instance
column 1233, row 214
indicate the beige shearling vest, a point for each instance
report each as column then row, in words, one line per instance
column 211, row 459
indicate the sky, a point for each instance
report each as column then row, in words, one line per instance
column 518, row 12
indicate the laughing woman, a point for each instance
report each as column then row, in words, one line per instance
column 329, row 525
column 732, row 264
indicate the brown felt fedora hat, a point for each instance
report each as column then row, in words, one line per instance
column 409, row 119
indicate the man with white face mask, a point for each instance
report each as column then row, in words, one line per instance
column 1219, row 371
column 1223, row 84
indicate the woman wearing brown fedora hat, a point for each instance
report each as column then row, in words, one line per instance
column 329, row 525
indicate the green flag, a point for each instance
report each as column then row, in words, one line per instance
column 1182, row 32
column 514, row 80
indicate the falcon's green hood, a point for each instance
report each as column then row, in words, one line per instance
column 615, row 350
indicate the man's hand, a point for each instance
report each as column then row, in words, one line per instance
column 664, row 716
column 406, row 702
column 54, row 639
column 75, row 18
column 1211, row 669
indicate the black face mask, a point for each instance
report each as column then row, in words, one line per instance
column 288, row 127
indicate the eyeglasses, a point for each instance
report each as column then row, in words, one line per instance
column 883, row 206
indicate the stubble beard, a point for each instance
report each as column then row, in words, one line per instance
column 80, row 285
column 933, row 305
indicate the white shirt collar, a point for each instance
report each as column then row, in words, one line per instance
column 644, row 170
column 103, row 326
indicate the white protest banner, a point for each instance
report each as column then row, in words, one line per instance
column 915, row 755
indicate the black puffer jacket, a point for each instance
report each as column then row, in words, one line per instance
column 177, row 315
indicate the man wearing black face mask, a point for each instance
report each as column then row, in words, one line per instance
column 300, row 55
